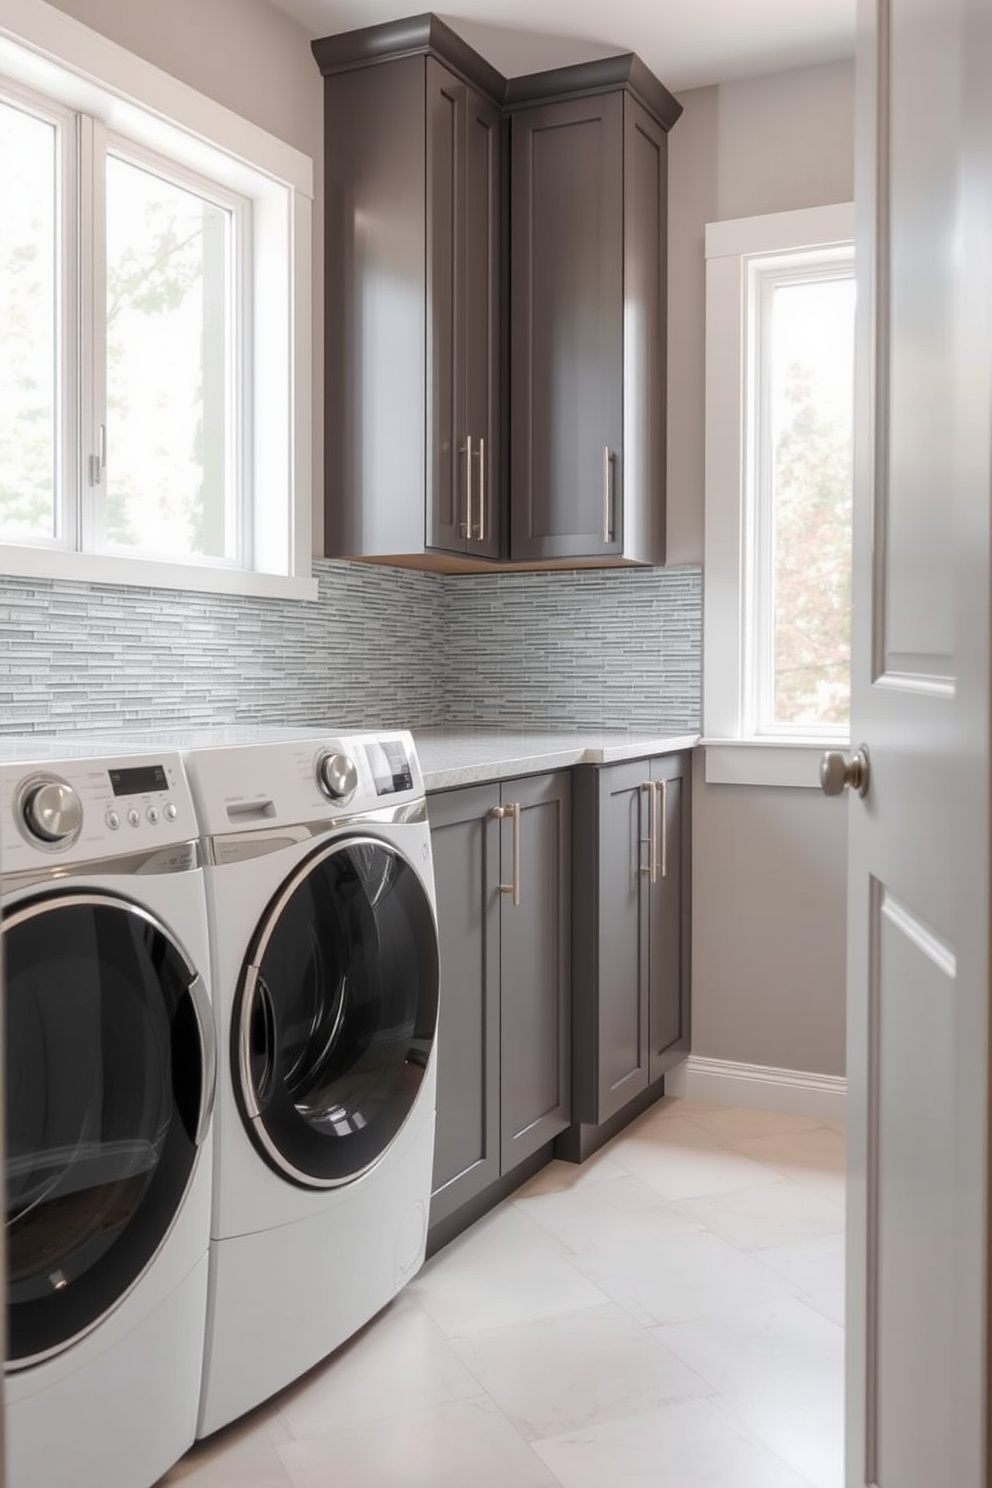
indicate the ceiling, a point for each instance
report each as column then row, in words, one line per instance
column 686, row 43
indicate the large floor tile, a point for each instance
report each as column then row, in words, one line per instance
column 616, row 1212
column 562, row 1177
column 682, row 1161
column 576, row 1370
column 779, row 1371
column 817, row 1159
column 770, row 1214
column 489, row 1290
column 468, row 1444
column 734, row 1124
column 816, row 1269
column 243, row 1455
column 695, row 1276
column 400, row 1363
column 695, row 1445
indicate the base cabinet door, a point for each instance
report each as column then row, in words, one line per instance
column 502, row 868
column 631, row 930
column 466, row 870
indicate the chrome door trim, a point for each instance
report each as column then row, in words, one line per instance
column 248, row 989
column 208, row 1043
column 240, row 847
column 181, row 857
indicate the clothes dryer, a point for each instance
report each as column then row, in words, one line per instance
column 110, row 1064
column 321, row 902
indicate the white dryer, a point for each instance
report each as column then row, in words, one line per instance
column 320, row 891
column 110, row 1063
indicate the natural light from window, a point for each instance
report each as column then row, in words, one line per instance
column 28, row 325
column 805, row 619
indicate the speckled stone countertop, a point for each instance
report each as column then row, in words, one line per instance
column 450, row 757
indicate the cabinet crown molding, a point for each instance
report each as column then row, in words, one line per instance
column 428, row 35
column 416, row 36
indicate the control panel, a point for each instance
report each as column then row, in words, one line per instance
column 86, row 809
column 268, row 784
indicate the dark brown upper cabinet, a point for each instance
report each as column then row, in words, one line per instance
column 588, row 258
column 413, row 439
column 443, row 247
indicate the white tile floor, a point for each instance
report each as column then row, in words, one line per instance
column 668, row 1315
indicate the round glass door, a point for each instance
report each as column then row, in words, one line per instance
column 105, row 1072
column 337, row 1012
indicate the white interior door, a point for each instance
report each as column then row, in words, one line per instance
column 918, row 969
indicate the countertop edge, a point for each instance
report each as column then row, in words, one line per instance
column 502, row 758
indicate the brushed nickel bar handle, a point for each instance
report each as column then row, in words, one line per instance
column 512, row 810
column 466, row 527
column 482, row 488
column 607, row 493
column 651, row 867
column 661, row 789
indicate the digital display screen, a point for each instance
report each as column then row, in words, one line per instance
column 136, row 781
column 390, row 767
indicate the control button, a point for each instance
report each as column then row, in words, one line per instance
column 154, row 815
column 52, row 812
column 113, row 820
column 171, row 811
column 337, row 776
column 133, row 815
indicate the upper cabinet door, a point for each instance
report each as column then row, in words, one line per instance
column 447, row 526
column 483, row 463
column 463, row 187
column 566, row 354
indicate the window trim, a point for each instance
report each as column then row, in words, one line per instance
column 734, row 756
column 50, row 53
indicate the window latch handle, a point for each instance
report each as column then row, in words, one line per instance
column 98, row 462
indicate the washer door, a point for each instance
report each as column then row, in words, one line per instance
column 109, row 1070
column 337, row 1012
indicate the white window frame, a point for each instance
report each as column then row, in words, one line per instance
column 74, row 68
column 737, row 252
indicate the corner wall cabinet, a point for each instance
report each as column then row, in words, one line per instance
column 502, row 867
column 631, row 940
column 589, row 191
column 442, row 249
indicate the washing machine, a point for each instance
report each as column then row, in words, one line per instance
column 110, row 1068
column 320, row 891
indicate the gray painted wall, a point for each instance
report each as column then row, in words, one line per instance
column 769, row 865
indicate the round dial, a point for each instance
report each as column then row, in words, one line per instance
column 337, row 776
column 52, row 811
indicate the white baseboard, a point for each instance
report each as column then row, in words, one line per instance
column 724, row 1082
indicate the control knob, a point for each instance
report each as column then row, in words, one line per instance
column 337, row 776
column 52, row 811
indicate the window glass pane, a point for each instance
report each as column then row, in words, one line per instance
column 28, row 324
column 812, row 399
column 168, row 366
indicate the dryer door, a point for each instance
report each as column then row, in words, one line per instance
column 337, row 1011
column 109, row 1071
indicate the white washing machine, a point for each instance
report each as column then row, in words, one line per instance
column 110, row 1064
column 320, row 890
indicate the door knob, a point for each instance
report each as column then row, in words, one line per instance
column 837, row 772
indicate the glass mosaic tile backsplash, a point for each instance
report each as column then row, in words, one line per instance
column 381, row 647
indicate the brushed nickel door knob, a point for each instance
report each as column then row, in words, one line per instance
column 837, row 773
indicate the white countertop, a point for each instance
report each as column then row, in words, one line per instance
column 468, row 756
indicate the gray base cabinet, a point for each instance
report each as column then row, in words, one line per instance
column 504, row 1035
column 631, row 930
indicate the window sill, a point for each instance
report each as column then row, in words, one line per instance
column 92, row 568
column 794, row 763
